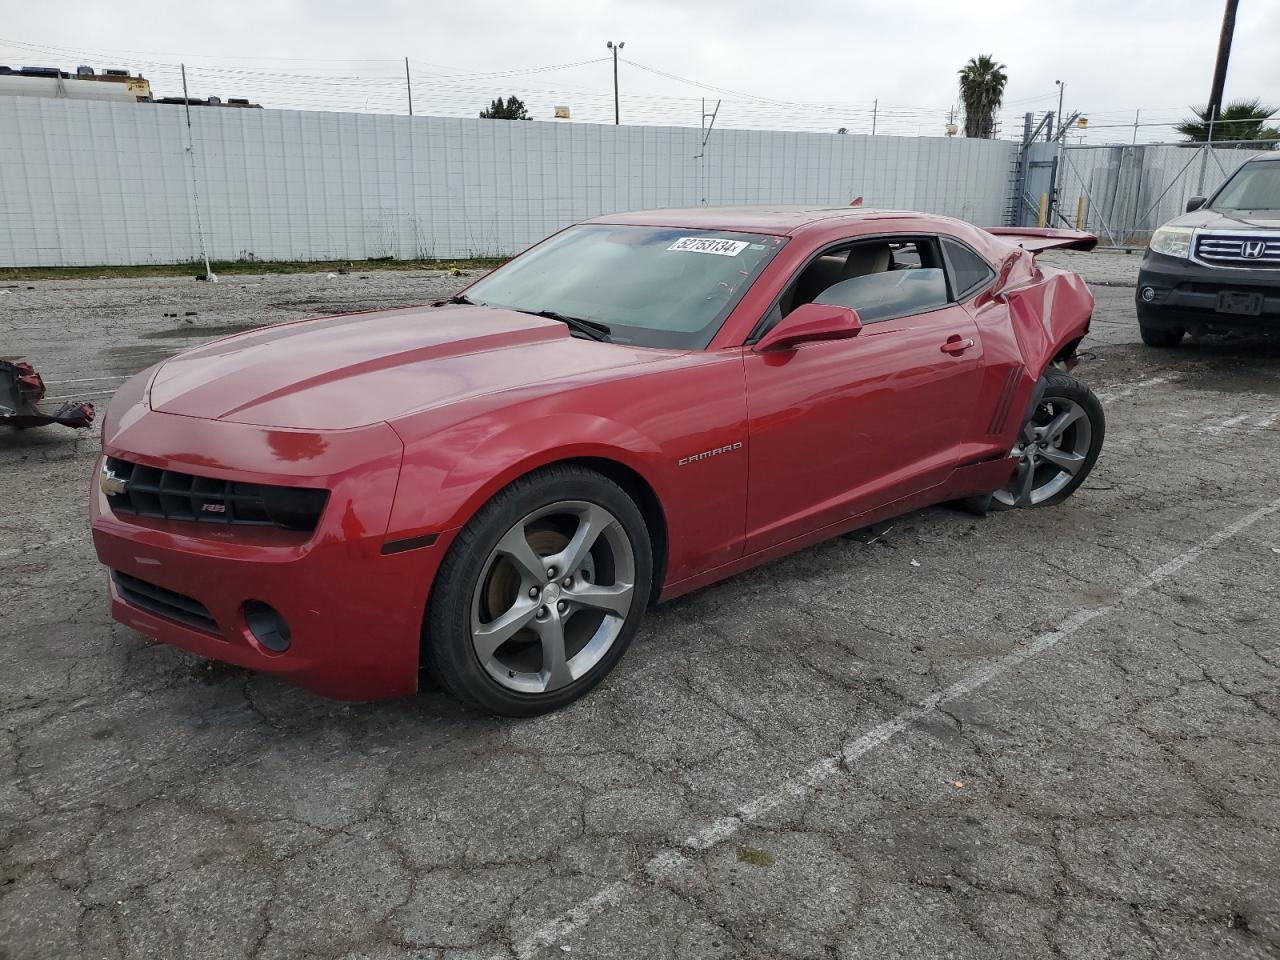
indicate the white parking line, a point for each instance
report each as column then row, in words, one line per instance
column 1224, row 425
column 722, row 829
column 1110, row 396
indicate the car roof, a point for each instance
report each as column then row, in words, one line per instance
column 775, row 220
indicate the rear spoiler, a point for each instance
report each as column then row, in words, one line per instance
column 1035, row 239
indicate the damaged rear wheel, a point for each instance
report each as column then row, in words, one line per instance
column 1057, row 447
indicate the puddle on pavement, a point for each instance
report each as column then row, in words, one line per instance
column 218, row 330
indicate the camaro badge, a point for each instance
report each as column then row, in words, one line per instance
column 111, row 484
column 709, row 453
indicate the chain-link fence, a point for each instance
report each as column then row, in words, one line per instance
column 1124, row 192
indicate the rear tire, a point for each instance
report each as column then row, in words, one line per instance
column 540, row 594
column 1163, row 337
column 1057, row 447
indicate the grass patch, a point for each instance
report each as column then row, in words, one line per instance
column 239, row 267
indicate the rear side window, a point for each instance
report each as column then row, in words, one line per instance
column 969, row 272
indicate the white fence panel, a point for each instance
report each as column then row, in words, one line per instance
column 96, row 183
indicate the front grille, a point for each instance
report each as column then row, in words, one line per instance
column 1259, row 252
column 163, row 602
column 171, row 495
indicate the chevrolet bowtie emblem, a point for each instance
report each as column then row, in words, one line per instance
column 111, row 484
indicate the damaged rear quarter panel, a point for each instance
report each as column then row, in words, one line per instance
column 1047, row 314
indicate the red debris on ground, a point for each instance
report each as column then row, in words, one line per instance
column 22, row 389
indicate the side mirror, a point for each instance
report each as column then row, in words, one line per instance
column 809, row 323
column 1195, row 203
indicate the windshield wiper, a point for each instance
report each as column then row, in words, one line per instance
column 588, row 328
column 457, row 298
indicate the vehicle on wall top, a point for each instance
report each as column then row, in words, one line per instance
column 498, row 485
column 1216, row 268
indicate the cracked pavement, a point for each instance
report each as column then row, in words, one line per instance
column 1113, row 794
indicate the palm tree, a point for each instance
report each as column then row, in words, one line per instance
column 1239, row 120
column 982, row 91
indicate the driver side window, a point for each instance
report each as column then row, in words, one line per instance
column 880, row 278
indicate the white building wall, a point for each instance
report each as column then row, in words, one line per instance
column 89, row 183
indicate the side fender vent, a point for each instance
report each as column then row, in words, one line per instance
column 1000, row 416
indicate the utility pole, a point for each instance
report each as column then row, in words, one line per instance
column 408, row 85
column 617, row 119
column 875, row 111
column 1224, row 54
column 702, row 153
column 195, row 188
column 1061, row 89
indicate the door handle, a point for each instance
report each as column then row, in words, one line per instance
column 956, row 345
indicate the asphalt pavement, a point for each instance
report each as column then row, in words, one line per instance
column 1046, row 733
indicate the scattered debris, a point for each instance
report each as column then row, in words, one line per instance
column 959, row 784
column 915, row 562
column 875, row 533
column 22, row 389
column 331, row 276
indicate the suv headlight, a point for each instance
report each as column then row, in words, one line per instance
column 1172, row 241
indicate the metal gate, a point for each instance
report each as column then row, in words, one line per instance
column 1124, row 192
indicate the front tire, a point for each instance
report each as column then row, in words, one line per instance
column 541, row 593
column 1058, row 445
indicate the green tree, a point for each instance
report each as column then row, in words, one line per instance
column 510, row 109
column 982, row 91
column 1239, row 120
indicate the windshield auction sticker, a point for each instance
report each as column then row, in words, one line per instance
column 716, row 245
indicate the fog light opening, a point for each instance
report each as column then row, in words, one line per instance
column 1148, row 294
column 267, row 626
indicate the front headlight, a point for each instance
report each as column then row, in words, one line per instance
column 1172, row 241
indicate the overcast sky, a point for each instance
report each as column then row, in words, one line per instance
column 818, row 64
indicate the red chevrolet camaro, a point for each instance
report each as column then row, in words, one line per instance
column 497, row 486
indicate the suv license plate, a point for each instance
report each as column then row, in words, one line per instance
column 1233, row 301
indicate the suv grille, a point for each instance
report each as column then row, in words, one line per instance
column 170, row 495
column 1254, row 250
column 163, row 602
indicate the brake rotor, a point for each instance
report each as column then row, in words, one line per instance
column 504, row 579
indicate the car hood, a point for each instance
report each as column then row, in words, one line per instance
column 335, row 373
column 1241, row 220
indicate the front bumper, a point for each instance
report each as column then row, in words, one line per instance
column 1185, row 294
column 354, row 613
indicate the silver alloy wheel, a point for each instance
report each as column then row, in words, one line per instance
column 1052, row 448
column 553, row 596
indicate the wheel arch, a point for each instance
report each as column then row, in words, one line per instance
column 1065, row 353
column 646, row 498
column 606, row 462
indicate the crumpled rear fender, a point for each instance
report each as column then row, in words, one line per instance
column 1049, row 315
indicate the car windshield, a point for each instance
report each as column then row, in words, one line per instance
column 1255, row 186
column 650, row 286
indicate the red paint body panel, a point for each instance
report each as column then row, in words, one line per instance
column 414, row 418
